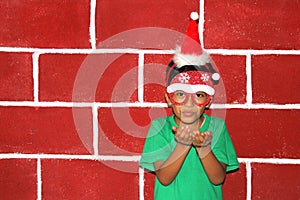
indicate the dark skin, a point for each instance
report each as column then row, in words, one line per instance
column 189, row 118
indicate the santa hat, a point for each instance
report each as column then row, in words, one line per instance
column 193, row 66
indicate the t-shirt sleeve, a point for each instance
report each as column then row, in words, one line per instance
column 156, row 147
column 223, row 149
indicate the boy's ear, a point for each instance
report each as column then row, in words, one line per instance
column 168, row 100
column 209, row 104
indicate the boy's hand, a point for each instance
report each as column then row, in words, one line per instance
column 183, row 135
column 202, row 139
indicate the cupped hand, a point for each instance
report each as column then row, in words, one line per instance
column 183, row 135
column 202, row 139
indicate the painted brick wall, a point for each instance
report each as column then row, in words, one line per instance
column 80, row 82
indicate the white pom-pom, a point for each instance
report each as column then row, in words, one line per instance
column 216, row 76
column 194, row 16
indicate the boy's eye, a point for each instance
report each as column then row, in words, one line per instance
column 180, row 94
column 200, row 94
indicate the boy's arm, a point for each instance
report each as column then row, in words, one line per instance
column 166, row 171
column 215, row 170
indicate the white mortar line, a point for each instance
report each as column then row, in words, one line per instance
column 141, row 77
column 43, row 51
column 255, row 106
column 45, row 104
column 252, row 52
column 279, row 161
column 141, row 183
column 95, row 130
column 275, row 106
column 249, row 180
column 271, row 160
column 39, row 179
column 135, row 104
column 248, row 80
column 118, row 158
column 201, row 23
column 142, row 105
column 35, row 72
column 70, row 156
column 83, row 51
column 92, row 28
column 148, row 51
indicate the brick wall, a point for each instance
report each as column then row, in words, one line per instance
column 82, row 80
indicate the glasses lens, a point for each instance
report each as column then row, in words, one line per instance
column 201, row 97
column 179, row 96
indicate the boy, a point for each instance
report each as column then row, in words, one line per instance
column 190, row 152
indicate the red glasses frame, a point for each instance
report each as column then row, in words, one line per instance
column 192, row 95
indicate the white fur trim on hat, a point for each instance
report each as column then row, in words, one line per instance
column 187, row 59
column 190, row 88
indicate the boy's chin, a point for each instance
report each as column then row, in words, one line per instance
column 189, row 121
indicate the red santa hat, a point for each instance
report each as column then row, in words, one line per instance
column 195, row 71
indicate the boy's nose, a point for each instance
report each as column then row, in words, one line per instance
column 190, row 101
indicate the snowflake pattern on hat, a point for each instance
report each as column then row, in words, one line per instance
column 193, row 77
column 205, row 77
column 184, row 78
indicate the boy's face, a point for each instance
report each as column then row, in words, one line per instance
column 188, row 108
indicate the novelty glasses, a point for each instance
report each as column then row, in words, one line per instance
column 180, row 97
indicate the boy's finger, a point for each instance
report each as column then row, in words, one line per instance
column 207, row 133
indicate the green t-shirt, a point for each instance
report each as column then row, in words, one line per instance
column 191, row 182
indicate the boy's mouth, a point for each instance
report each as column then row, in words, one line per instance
column 187, row 113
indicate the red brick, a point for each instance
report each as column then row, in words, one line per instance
column 149, row 185
column 232, row 88
column 57, row 74
column 18, row 179
column 235, row 184
column 45, row 130
column 16, row 78
column 264, row 133
column 252, row 24
column 275, row 79
column 271, row 181
column 119, row 81
column 86, row 179
column 130, row 15
column 155, row 77
column 45, row 24
column 122, row 131
column 88, row 78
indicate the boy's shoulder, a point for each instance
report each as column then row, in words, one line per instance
column 162, row 120
column 215, row 119
column 215, row 122
column 160, row 126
